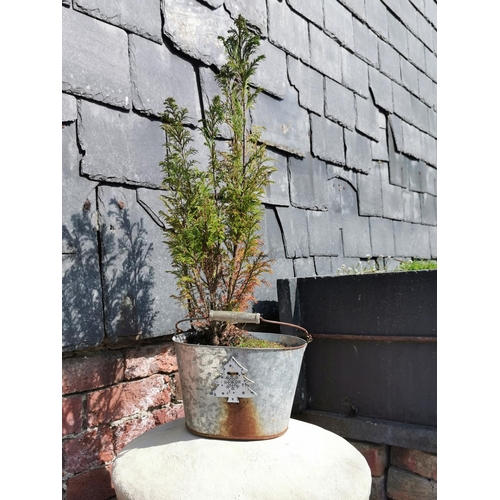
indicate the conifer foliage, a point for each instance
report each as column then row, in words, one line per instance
column 213, row 213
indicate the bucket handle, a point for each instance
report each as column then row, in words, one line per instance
column 244, row 317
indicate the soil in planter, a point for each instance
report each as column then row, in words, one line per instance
column 235, row 337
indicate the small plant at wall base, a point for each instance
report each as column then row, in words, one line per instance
column 213, row 214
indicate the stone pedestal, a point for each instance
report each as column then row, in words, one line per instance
column 307, row 462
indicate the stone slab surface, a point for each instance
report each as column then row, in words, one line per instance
column 308, row 183
column 69, row 112
column 327, row 139
column 338, row 22
column 325, row 54
column 168, row 462
column 271, row 73
column 254, row 12
column 309, row 84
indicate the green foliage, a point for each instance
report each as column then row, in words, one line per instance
column 417, row 265
column 213, row 214
column 387, row 264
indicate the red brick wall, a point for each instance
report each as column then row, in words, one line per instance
column 109, row 398
column 400, row 473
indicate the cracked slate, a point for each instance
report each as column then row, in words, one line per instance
column 308, row 183
column 358, row 151
column 309, row 84
column 142, row 18
column 382, row 236
column 411, row 240
column 325, row 54
column 69, row 112
column 150, row 201
column 295, row 232
column 399, row 165
column 157, row 73
column 327, row 139
column 381, row 86
column 95, row 60
column 119, row 146
column 288, row 30
column 286, row 123
column 340, row 104
column 137, row 290
column 273, row 238
column 194, row 29
column 254, row 12
column 338, row 21
column 379, row 149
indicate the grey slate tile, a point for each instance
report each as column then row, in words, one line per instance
column 416, row 52
column 308, row 187
column 427, row 90
column 327, row 140
column 340, row 104
column 425, row 31
column 119, row 146
column 431, row 65
column 295, row 232
column 417, row 176
column 429, row 209
column 68, row 108
column 399, row 164
column 408, row 15
column 396, row 127
column 325, row 54
column 420, row 114
column 358, row 151
column 304, row 267
column 143, row 18
column 194, row 28
column 398, row 35
column 409, row 76
column 433, row 241
column 311, row 10
column 370, row 192
column 392, row 197
column 411, row 240
column 354, row 73
column 343, row 173
column 380, row 150
column 273, row 237
column 323, row 266
column 254, row 12
column 277, row 193
column 95, row 60
column 431, row 180
column 431, row 11
column 157, row 73
column 412, row 211
column 389, row 61
column 309, row 84
column 282, row 268
column 357, row 7
column 376, row 16
column 365, row 43
column 367, row 118
column 356, row 236
column 271, row 74
column 338, row 22
column 288, row 30
column 382, row 237
column 402, row 102
column 429, row 149
column 137, row 290
column 381, row 88
column 286, row 123
column 412, row 141
column 324, row 233
column 348, row 199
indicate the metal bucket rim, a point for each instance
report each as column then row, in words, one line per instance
column 178, row 339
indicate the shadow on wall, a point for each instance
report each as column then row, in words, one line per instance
column 127, row 277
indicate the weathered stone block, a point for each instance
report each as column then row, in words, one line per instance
column 82, row 324
column 142, row 18
column 311, row 10
column 381, row 88
column 288, row 30
column 397, row 35
column 286, row 123
column 403, row 485
column 137, row 288
column 367, row 118
column 409, row 76
column 271, row 74
column 358, row 151
column 429, row 209
column 416, row 461
column 392, row 197
column 356, row 236
column 325, row 54
column 194, row 29
column 354, row 73
column 254, row 12
column 327, row 140
column 277, row 193
column 340, row 104
column 416, row 52
column 157, row 73
column 370, row 192
column 365, row 43
column 324, row 234
column 382, row 236
column 389, row 61
column 119, row 146
column 309, row 84
column 411, row 205
column 95, row 60
column 411, row 240
column 338, row 21
column 376, row 16
column 304, row 267
column 295, row 233
column 69, row 112
column 308, row 187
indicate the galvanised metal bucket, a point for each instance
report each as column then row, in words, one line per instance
column 239, row 393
